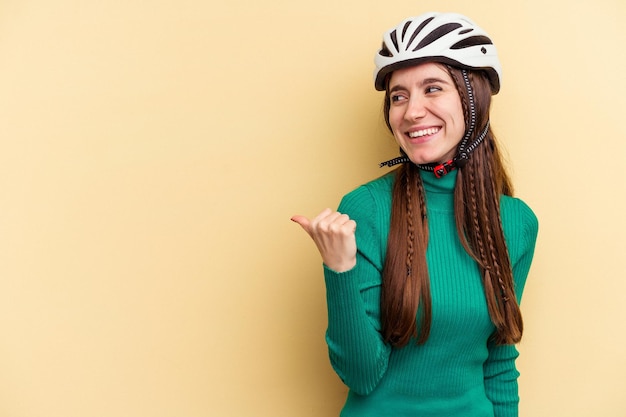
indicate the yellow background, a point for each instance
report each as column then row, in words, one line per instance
column 152, row 153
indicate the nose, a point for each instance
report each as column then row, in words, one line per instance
column 416, row 108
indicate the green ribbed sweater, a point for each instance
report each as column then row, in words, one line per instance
column 457, row 372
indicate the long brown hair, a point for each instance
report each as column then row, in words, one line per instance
column 406, row 306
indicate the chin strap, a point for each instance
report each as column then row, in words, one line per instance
column 445, row 167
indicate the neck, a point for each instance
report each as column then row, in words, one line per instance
column 439, row 190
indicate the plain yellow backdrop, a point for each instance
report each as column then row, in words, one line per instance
column 152, row 153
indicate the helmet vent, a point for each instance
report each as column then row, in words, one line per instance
column 417, row 31
column 436, row 34
column 394, row 39
column 405, row 28
column 472, row 41
column 384, row 51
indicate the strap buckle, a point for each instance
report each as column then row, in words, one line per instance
column 443, row 168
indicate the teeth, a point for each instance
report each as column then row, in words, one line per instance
column 419, row 133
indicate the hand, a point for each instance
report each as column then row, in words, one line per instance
column 333, row 234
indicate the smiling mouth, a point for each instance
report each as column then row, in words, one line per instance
column 423, row 132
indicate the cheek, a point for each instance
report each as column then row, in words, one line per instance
column 394, row 119
column 457, row 115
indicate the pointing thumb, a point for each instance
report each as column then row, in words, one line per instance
column 304, row 222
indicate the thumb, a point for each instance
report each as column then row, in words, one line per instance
column 304, row 222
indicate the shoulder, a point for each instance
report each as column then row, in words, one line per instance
column 369, row 205
column 515, row 209
column 371, row 195
column 519, row 222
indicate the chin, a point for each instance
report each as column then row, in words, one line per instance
column 428, row 158
column 421, row 160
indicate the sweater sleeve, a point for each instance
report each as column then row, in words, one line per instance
column 521, row 228
column 357, row 351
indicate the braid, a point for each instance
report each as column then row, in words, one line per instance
column 476, row 220
column 410, row 236
column 424, row 280
column 490, row 239
column 492, row 275
column 422, row 204
column 511, row 331
column 473, row 229
column 405, row 273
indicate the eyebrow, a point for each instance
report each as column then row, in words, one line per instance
column 424, row 82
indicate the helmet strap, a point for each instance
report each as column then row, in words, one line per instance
column 461, row 154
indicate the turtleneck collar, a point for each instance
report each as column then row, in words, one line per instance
column 439, row 191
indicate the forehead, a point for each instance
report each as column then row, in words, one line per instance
column 419, row 73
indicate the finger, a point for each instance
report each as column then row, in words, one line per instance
column 350, row 225
column 303, row 221
column 325, row 219
column 336, row 223
column 343, row 226
column 343, row 220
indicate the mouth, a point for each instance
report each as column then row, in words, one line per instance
column 423, row 132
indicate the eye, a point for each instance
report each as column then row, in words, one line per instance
column 397, row 98
column 432, row 89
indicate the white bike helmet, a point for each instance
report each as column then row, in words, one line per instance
column 448, row 38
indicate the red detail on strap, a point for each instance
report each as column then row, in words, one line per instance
column 442, row 169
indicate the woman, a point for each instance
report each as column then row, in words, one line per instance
column 425, row 266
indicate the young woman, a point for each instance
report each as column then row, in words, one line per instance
column 425, row 266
